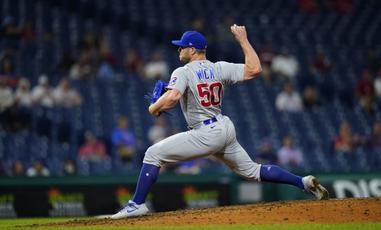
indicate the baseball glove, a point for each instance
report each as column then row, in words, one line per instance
column 160, row 89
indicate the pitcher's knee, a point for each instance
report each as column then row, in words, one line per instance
column 152, row 156
column 252, row 172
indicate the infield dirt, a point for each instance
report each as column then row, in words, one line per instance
column 354, row 210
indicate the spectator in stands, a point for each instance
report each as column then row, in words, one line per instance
column 266, row 153
column 159, row 130
column 288, row 154
column 93, row 149
column 289, row 100
column 38, row 169
column 310, row 98
column 23, row 95
column 70, row 168
column 133, row 63
column 64, row 95
column 377, row 84
column 156, row 68
column 83, row 69
column 123, row 140
column 321, row 63
column 285, row 66
column 365, row 91
column 42, row 94
column 374, row 140
column 346, row 141
column 105, row 70
column 6, row 95
column 17, row 168
column 365, row 86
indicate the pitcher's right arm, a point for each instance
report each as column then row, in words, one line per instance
column 252, row 64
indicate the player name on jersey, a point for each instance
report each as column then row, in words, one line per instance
column 203, row 74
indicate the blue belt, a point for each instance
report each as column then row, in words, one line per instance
column 210, row 121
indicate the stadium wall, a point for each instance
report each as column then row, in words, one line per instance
column 88, row 196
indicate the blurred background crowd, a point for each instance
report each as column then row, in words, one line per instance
column 73, row 75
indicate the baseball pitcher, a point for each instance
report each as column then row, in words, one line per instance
column 199, row 86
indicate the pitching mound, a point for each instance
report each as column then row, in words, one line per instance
column 329, row 211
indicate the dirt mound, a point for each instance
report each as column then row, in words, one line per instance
column 329, row 211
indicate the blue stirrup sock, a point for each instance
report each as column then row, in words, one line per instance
column 275, row 174
column 148, row 176
column 269, row 173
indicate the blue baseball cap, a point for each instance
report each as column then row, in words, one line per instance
column 192, row 39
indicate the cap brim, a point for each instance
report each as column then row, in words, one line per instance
column 178, row 43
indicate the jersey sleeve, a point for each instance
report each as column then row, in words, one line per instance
column 231, row 73
column 178, row 80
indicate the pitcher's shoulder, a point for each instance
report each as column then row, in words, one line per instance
column 222, row 63
column 180, row 70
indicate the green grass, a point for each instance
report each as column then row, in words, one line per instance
column 22, row 222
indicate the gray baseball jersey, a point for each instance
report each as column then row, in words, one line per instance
column 201, row 84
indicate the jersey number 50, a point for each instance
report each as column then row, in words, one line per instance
column 210, row 94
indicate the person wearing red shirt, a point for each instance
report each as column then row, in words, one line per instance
column 93, row 149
